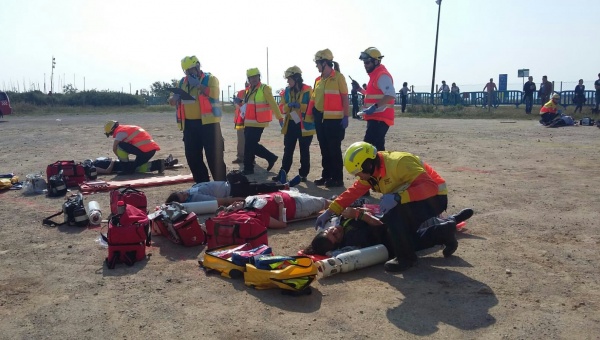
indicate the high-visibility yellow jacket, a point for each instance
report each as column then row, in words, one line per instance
column 260, row 105
column 328, row 93
column 303, row 98
column 549, row 107
column 205, row 106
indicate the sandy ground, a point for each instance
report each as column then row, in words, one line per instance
column 526, row 268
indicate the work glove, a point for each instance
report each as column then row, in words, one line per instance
column 344, row 122
column 388, row 202
column 322, row 219
column 294, row 105
column 281, row 121
column 193, row 81
column 237, row 100
column 370, row 110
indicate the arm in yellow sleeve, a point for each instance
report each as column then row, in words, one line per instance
column 212, row 90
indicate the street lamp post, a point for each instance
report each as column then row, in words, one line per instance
column 437, row 32
column 228, row 86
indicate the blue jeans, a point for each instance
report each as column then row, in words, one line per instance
column 528, row 103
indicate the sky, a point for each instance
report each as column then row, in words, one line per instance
column 123, row 45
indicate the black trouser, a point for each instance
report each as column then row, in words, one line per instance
column 141, row 157
column 404, row 220
column 330, row 135
column 355, row 107
column 293, row 134
column 199, row 138
column 597, row 100
column 528, row 103
column 119, row 166
column 403, row 102
column 253, row 188
column 375, row 134
column 253, row 148
column 547, row 118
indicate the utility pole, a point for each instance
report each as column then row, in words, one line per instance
column 437, row 32
column 52, row 76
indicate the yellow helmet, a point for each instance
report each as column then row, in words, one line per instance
column 189, row 62
column 356, row 154
column 323, row 55
column 291, row 71
column 370, row 53
column 556, row 96
column 110, row 127
column 252, row 72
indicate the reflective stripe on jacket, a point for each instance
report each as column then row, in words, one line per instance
column 137, row 137
column 374, row 94
column 260, row 106
column 332, row 96
column 549, row 107
column 307, row 124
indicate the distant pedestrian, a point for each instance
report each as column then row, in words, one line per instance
column 445, row 90
column 404, row 95
column 490, row 88
column 528, row 90
column 455, row 94
column 355, row 106
column 545, row 90
column 579, row 97
column 597, row 87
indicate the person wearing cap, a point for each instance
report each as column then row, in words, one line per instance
column 199, row 119
column 380, row 96
column 131, row 140
column 413, row 192
column 238, row 122
column 330, row 110
column 296, row 127
column 550, row 110
column 259, row 106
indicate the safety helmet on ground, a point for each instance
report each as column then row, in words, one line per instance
column 370, row 53
column 189, row 62
column 323, row 55
column 357, row 154
column 110, row 127
column 292, row 71
column 252, row 72
column 556, row 96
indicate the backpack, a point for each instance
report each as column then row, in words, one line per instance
column 127, row 237
column 74, row 173
column 130, row 196
column 91, row 173
column 290, row 273
column 178, row 225
column 57, row 185
column 586, row 121
column 74, row 211
column 236, row 227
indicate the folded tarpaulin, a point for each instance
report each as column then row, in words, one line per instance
column 88, row 187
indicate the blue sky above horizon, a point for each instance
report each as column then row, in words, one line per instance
column 118, row 44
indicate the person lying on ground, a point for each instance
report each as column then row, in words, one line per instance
column 236, row 188
column 275, row 209
column 107, row 165
column 359, row 228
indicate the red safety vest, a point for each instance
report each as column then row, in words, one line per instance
column 137, row 137
column 238, row 120
column 257, row 109
column 374, row 94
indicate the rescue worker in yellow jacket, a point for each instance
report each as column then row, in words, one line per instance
column 412, row 193
column 199, row 119
column 550, row 110
column 131, row 140
column 297, row 127
column 330, row 110
column 238, row 122
column 257, row 111
column 380, row 96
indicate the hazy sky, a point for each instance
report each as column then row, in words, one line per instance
column 117, row 43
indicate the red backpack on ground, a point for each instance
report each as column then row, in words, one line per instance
column 127, row 237
column 130, row 196
column 179, row 226
column 236, row 227
column 74, row 174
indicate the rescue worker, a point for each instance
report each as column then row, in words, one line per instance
column 296, row 127
column 412, row 193
column 238, row 121
column 330, row 110
column 550, row 111
column 258, row 108
column 200, row 121
column 131, row 140
column 379, row 98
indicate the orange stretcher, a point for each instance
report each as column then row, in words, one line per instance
column 89, row 187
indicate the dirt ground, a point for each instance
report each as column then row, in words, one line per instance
column 527, row 266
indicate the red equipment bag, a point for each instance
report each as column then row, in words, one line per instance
column 74, row 174
column 236, row 227
column 127, row 237
column 185, row 230
column 130, row 196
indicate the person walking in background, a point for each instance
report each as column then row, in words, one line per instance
column 445, row 90
column 490, row 88
column 199, row 119
column 404, row 95
column 238, row 121
column 296, row 127
column 455, row 94
column 259, row 105
column 355, row 108
column 330, row 110
column 597, row 87
column 545, row 90
column 528, row 90
column 579, row 97
column 380, row 96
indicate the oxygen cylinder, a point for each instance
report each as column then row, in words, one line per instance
column 352, row 260
column 200, row 208
column 94, row 213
